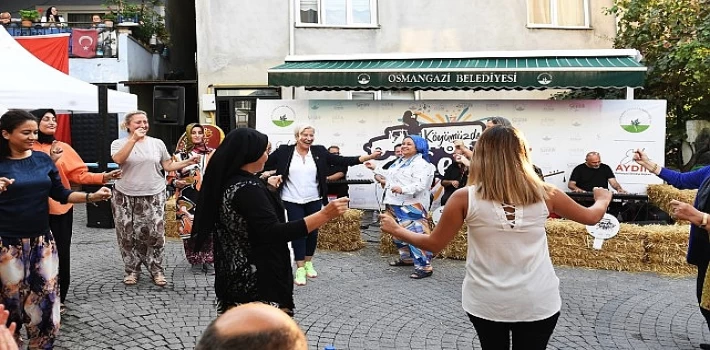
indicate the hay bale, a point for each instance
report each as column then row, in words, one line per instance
column 387, row 244
column 456, row 249
column 171, row 225
column 571, row 245
column 666, row 247
column 342, row 233
column 661, row 196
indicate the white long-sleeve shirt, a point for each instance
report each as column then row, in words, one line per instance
column 413, row 175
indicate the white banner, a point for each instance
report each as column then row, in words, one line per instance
column 560, row 133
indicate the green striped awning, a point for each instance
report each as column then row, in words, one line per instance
column 576, row 69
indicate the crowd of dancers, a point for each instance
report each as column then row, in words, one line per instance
column 240, row 205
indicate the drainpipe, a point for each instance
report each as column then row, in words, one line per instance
column 291, row 36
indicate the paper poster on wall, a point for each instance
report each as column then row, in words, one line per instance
column 560, row 133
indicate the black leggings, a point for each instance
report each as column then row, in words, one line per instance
column 61, row 226
column 526, row 335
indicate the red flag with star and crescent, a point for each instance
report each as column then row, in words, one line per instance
column 83, row 42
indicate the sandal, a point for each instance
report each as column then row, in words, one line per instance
column 400, row 262
column 130, row 279
column 419, row 274
column 160, row 280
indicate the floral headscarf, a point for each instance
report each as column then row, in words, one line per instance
column 189, row 146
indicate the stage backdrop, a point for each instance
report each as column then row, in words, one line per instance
column 559, row 132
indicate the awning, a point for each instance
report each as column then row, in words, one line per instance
column 503, row 70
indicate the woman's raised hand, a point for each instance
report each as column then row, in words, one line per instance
column 602, row 194
column 7, row 341
column 103, row 193
column 640, row 155
column 336, row 207
column 387, row 224
column 274, row 181
column 4, row 182
column 112, row 175
column 55, row 151
column 195, row 159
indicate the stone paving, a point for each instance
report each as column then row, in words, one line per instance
column 358, row 302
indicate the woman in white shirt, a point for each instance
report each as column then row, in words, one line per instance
column 510, row 284
column 407, row 197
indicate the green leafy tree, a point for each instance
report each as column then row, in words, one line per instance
column 150, row 18
column 674, row 38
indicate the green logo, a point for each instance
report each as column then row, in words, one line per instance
column 283, row 116
column 635, row 120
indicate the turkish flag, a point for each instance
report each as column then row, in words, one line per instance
column 83, row 42
column 50, row 49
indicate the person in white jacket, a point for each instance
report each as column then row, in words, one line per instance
column 407, row 197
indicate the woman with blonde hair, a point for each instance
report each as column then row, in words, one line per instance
column 304, row 167
column 138, row 202
column 510, row 284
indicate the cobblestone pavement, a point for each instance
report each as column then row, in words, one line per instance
column 358, row 302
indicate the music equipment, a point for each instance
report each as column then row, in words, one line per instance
column 169, row 105
column 98, row 214
column 556, row 172
column 352, row 182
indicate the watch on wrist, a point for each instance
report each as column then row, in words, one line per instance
column 704, row 222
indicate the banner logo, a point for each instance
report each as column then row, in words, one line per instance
column 363, row 79
column 544, row 78
column 635, row 120
column 283, row 116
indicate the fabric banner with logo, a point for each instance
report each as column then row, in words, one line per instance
column 560, row 133
column 51, row 49
column 84, row 42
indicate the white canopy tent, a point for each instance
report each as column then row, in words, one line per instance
column 29, row 83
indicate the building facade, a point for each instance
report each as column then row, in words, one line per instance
column 237, row 44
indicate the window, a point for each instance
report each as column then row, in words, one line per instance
column 558, row 13
column 345, row 13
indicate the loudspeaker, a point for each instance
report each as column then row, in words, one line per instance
column 169, row 105
column 98, row 214
column 86, row 136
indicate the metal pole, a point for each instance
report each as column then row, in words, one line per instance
column 103, row 114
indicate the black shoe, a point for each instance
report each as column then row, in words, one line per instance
column 705, row 346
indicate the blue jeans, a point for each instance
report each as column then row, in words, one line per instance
column 306, row 246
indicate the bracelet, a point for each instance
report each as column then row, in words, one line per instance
column 704, row 222
column 655, row 166
column 87, row 197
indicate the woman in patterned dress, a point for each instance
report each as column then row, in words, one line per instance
column 244, row 217
column 187, row 183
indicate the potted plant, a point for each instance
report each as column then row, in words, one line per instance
column 109, row 18
column 28, row 17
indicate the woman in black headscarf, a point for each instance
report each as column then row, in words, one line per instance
column 245, row 220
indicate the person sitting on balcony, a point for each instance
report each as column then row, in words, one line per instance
column 52, row 17
column 97, row 22
column 6, row 20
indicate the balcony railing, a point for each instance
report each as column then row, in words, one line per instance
column 107, row 37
